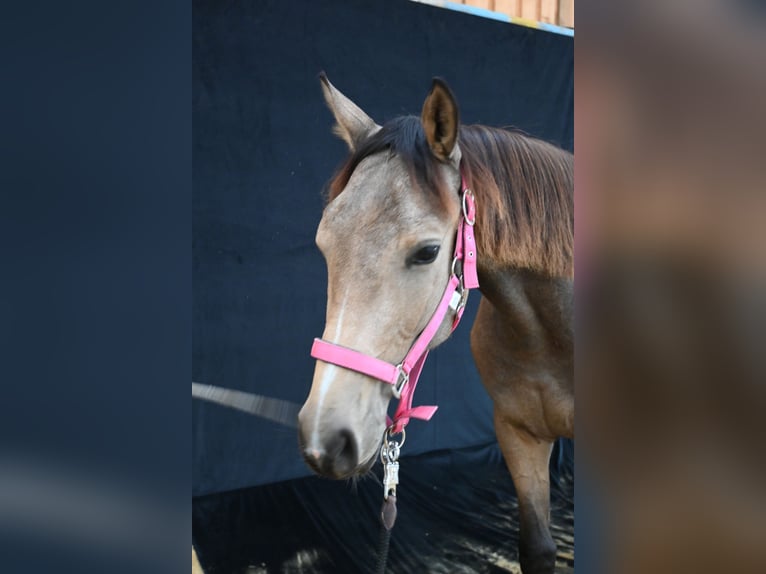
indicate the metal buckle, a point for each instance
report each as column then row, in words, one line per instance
column 402, row 380
column 465, row 207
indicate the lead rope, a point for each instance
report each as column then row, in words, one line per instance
column 385, row 539
column 389, row 456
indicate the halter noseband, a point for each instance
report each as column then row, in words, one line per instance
column 404, row 376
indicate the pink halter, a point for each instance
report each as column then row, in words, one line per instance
column 404, row 376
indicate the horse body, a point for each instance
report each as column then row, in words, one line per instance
column 522, row 339
column 522, row 344
column 387, row 234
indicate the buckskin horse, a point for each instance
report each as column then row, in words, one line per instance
column 388, row 233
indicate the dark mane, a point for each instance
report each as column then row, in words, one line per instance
column 524, row 190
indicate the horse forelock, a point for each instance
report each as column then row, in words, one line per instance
column 404, row 138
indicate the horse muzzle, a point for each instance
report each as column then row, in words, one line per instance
column 333, row 453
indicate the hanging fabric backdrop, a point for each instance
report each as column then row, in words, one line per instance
column 262, row 153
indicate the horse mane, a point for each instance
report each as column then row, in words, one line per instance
column 524, row 190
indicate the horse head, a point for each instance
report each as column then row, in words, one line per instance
column 387, row 235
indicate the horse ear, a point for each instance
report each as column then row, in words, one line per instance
column 353, row 125
column 440, row 120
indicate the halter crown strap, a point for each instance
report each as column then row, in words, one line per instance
column 404, row 376
column 465, row 233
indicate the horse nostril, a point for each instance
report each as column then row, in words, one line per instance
column 313, row 458
column 343, row 454
column 313, row 455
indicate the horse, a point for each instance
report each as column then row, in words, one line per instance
column 387, row 233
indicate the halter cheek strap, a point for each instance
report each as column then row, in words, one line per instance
column 404, row 376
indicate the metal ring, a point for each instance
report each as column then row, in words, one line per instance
column 387, row 435
column 454, row 263
column 467, row 219
column 385, row 457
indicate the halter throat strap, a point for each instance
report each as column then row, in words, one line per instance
column 404, row 376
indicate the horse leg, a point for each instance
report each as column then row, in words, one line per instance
column 527, row 458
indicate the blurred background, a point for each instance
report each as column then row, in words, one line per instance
column 671, row 230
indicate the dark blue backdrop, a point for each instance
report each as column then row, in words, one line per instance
column 262, row 151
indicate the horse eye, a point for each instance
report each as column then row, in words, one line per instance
column 424, row 255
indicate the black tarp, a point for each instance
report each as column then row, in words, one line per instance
column 262, row 151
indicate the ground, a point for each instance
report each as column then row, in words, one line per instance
column 457, row 514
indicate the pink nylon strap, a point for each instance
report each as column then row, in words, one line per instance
column 354, row 360
column 408, row 372
column 420, row 346
column 465, row 232
column 404, row 410
column 411, row 366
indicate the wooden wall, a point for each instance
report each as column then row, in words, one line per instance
column 558, row 12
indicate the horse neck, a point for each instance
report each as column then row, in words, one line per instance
column 533, row 307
